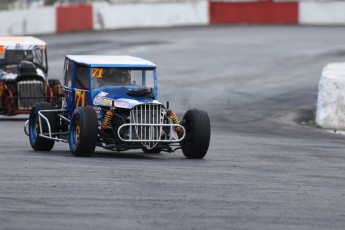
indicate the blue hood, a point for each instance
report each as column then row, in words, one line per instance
column 107, row 96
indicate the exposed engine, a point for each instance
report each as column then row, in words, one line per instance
column 21, row 90
column 140, row 126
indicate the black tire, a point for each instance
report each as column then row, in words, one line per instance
column 151, row 151
column 55, row 89
column 198, row 133
column 83, row 132
column 39, row 143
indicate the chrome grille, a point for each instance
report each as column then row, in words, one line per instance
column 146, row 120
column 29, row 93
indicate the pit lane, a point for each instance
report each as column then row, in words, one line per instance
column 263, row 169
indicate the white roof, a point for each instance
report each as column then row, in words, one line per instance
column 21, row 40
column 111, row 61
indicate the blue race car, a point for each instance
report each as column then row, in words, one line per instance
column 111, row 102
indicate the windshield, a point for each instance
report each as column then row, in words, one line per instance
column 15, row 56
column 122, row 77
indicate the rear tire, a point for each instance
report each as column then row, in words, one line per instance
column 40, row 143
column 198, row 133
column 83, row 132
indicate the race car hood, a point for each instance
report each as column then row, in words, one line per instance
column 119, row 97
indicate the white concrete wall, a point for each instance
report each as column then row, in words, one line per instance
column 322, row 13
column 150, row 14
column 330, row 111
column 121, row 14
column 32, row 21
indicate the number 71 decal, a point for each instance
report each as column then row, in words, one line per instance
column 97, row 72
column 80, row 98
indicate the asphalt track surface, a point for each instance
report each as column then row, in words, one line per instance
column 268, row 166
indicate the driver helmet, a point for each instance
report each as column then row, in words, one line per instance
column 114, row 76
column 122, row 76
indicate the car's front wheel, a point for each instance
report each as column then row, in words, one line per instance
column 37, row 142
column 83, row 132
column 154, row 150
column 198, row 133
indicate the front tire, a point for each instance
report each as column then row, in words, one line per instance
column 198, row 133
column 83, row 132
column 155, row 150
column 37, row 142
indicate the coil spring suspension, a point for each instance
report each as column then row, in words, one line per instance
column 174, row 119
column 107, row 119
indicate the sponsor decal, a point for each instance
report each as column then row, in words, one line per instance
column 101, row 100
column 109, row 102
column 106, row 102
column 103, row 94
column 97, row 100
column 121, row 104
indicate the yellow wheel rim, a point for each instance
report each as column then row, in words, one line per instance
column 77, row 132
column 37, row 127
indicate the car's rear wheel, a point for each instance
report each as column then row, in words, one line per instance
column 83, row 132
column 37, row 142
column 198, row 133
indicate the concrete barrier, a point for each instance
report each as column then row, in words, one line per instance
column 322, row 13
column 74, row 18
column 330, row 112
column 149, row 14
column 164, row 13
column 104, row 15
column 33, row 21
column 256, row 12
